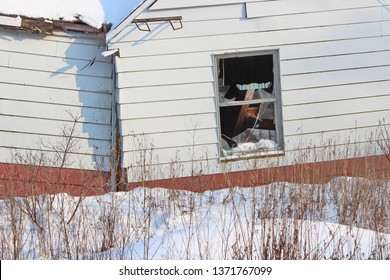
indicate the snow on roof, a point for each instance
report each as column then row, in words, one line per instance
column 92, row 12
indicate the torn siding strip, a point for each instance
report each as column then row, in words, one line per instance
column 11, row 21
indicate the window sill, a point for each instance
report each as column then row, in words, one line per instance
column 252, row 155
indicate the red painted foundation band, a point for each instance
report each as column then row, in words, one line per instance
column 22, row 180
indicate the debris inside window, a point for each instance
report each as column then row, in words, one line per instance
column 247, row 99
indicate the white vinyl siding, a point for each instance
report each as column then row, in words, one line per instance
column 46, row 82
column 334, row 65
column 174, row 4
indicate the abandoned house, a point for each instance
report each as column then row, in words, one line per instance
column 196, row 94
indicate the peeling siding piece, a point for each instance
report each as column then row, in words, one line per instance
column 11, row 21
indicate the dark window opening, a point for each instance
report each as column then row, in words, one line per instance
column 249, row 105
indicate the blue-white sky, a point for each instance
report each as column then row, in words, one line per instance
column 93, row 12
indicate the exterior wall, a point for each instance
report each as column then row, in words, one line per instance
column 46, row 82
column 334, row 64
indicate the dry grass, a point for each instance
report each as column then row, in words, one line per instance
column 278, row 221
column 346, row 218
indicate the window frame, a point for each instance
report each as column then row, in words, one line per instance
column 277, row 102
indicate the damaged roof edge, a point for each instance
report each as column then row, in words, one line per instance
column 127, row 21
column 48, row 27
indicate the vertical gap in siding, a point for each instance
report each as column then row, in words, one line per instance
column 115, row 146
column 245, row 11
column 119, row 179
column 382, row 12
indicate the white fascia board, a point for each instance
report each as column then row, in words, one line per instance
column 127, row 21
column 11, row 21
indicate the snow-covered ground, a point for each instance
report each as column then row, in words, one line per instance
column 92, row 12
column 278, row 221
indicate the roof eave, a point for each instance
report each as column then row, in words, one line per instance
column 128, row 20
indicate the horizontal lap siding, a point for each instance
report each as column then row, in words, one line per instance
column 168, row 124
column 204, row 13
column 46, row 82
column 336, row 108
column 339, row 63
column 334, row 73
column 330, row 122
column 140, row 173
column 55, row 65
column 165, row 62
column 196, row 24
column 248, row 41
column 55, row 80
column 175, row 155
column 165, row 77
column 166, row 108
column 173, row 4
column 53, row 46
column 47, row 143
column 41, row 157
column 43, row 127
column 173, row 139
column 336, row 77
column 218, row 25
column 159, row 93
column 55, row 112
column 286, row 7
column 56, row 96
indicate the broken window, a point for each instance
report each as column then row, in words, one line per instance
column 249, row 104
